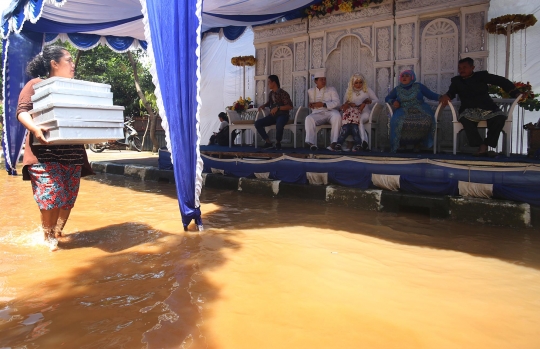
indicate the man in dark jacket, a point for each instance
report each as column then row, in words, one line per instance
column 477, row 105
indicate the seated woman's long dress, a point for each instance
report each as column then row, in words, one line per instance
column 413, row 122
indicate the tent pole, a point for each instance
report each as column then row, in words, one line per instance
column 508, row 34
column 244, row 75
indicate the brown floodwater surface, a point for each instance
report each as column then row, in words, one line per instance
column 266, row 273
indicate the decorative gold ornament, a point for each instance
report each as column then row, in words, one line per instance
column 499, row 25
column 243, row 61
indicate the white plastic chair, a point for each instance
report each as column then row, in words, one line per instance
column 237, row 123
column 373, row 125
column 295, row 125
column 438, row 113
column 507, row 106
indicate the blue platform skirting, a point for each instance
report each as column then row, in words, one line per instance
column 422, row 176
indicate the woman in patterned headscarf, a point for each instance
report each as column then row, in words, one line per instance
column 413, row 121
column 356, row 107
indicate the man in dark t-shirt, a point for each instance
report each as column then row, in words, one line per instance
column 477, row 105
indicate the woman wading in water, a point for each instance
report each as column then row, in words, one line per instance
column 54, row 170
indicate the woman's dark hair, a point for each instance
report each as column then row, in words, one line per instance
column 224, row 116
column 275, row 79
column 40, row 65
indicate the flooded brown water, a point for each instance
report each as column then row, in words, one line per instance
column 265, row 273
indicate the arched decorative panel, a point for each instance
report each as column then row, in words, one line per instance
column 439, row 54
column 282, row 66
column 349, row 57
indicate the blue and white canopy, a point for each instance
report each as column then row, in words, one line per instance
column 170, row 31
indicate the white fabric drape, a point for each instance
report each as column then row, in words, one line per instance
column 221, row 83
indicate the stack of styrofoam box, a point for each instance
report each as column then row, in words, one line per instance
column 76, row 111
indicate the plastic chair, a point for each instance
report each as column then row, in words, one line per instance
column 294, row 125
column 438, row 111
column 508, row 106
column 237, row 123
column 373, row 125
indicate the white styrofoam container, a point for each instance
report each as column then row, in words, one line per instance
column 81, row 132
column 62, row 111
column 52, row 95
column 72, row 84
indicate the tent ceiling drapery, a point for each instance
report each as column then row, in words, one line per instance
column 216, row 13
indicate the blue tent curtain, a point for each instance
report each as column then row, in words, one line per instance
column 231, row 32
column 17, row 51
column 174, row 33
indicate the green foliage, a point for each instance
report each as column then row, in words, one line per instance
column 103, row 65
column 150, row 98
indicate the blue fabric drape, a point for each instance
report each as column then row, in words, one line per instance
column 173, row 29
column 84, row 41
column 87, row 41
column 45, row 25
column 20, row 50
column 525, row 193
column 231, row 32
column 119, row 44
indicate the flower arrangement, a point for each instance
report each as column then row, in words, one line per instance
column 241, row 104
column 243, row 61
column 529, row 101
column 498, row 25
column 326, row 7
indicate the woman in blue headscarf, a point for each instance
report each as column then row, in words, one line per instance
column 413, row 121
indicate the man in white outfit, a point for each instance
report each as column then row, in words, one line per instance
column 323, row 101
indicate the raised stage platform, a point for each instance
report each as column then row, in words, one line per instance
column 515, row 178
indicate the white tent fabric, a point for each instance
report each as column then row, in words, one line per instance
column 221, row 81
column 524, row 56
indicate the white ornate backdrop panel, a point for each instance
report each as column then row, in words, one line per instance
column 348, row 58
column 282, row 66
column 439, row 54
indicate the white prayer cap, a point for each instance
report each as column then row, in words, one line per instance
column 319, row 74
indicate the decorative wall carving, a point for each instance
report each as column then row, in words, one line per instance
column 479, row 63
column 431, row 81
column 383, row 44
column 282, row 66
column 348, row 58
column 439, row 54
column 414, row 4
column 364, row 33
column 449, row 50
column 383, row 82
column 300, row 57
column 474, row 32
column 316, row 53
column 299, row 91
column 332, row 38
column 406, row 41
column 430, row 55
column 260, row 97
column 260, row 54
column 279, row 31
column 371, row 11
